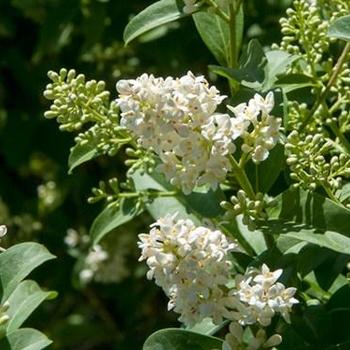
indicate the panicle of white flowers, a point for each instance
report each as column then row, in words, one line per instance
column 4, row 318
column 258, row 128
column 258, row 297
column 234, row 340
column 176, row 119
column 307, row 157
column 191, row 265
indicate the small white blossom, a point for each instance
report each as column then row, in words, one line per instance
column 72, row 238
column 92, row 263
column 191, row 265
column 3, row 231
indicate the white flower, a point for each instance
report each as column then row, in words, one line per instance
column 191, row 265
column 72, row 238
column 257, row 297
column 92, row 263
column 258, row 129
column 3, row 231
column 176, row 119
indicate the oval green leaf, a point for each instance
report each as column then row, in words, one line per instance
column 25, row 339
column 155, row 15
column 177, row 339
column 17, row 262
column 113, row 217
column 23, row 301
column 340, row 28
column 80, row 154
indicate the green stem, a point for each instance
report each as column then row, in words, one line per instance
column 331, row 195
column 147, row 193
column 218, row 10
column 332, row 80
column 342, row 139
column 242, row 178
column 233, row 35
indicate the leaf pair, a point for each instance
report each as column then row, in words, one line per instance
column 23, row 296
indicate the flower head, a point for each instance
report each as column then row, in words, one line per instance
column 191, row 264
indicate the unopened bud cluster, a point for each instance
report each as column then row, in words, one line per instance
column 192, row 264
column 4, row 318
column 236, row 339
column 77, row 103
column 305, row 33
column 252, row 210
column 307, row 158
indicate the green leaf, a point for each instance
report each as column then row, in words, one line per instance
column 277, row 64
column 195, row 206
column 17, row 262
column 327, row 239
column 155, row 15
column 80, row 154
column 23, row 301
column 176, row 339
column 340, row 28
column 215, row 32
column 311, row 209
column 255, row 238
column 206, row 327
column 266, row 173
column 25, row 339
column 294, row 82
column 112, row 217
column 251, row 72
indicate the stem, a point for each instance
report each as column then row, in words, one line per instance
column 331, row 195
column 147, row 193
column 340, row 136
column 218, row 10
column 242, row 178
column 332, row 80
column 233, row 35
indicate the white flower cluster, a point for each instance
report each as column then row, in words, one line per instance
column 92, row 263
column 176, row 119
column 259, row 129
column 191, row 265
column 235, row 339
column 259, row 297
